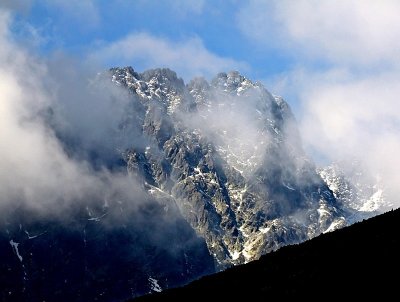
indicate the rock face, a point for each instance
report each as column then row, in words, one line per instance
column 229, row 154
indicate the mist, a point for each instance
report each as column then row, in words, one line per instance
column 52, row 119
column 351, row 119
column 228, row 121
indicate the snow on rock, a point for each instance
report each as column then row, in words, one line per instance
column 235, row 255
column 14, row 246
column 265, row 230
column 354, row 188
column 336, row 224
column 374, row 202
column 33, row 236
column 154, row 286
column 97, row 219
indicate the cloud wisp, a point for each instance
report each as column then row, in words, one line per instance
column 38, row 103
column 355, row 33
column 188, row 58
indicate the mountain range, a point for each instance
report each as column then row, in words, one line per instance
column 219, row 178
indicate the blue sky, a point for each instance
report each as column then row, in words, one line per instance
column 337, row 63
column 81, row 28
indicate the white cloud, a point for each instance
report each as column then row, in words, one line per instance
column 34, row 167
column 188, row 58
column 347, row 118
column 345, row 113
column 31, row 161
column 19, row 5
column 346, row 32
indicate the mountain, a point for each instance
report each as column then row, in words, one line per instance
column 229, row 154
column 359, row 261
column 196, row 178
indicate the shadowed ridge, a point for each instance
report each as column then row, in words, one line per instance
column 358, row 261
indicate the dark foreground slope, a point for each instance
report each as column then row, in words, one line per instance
column 362, row 260
column 97, row 254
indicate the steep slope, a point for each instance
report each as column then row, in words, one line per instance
column 359, row 261
column 229, row 154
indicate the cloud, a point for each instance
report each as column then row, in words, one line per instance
column 354, row 118
column 31, row 160
column 35, row 168
column 354, row 32
column 17, row 5
column 188, row 58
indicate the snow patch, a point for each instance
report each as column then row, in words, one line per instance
column 33, row 236
column 154, row 286
column 374, row 203
column 235, row 255
column 244, row 233
column 14, row 246
column 322, row 211
column 335, row 225
column 265, row 230
column 198, row 171
column 97, row 219
column 289, row 187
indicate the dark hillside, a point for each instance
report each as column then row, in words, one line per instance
column 358, row 261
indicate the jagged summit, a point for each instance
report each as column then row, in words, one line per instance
column 161, row 84
column 234, row 83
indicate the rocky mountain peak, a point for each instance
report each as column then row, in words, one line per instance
column 232, row 82
column 161, row 85
column 123, row 75
column 235, row 174
column 162, row 77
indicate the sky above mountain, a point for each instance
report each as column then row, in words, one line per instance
column 336, row 62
